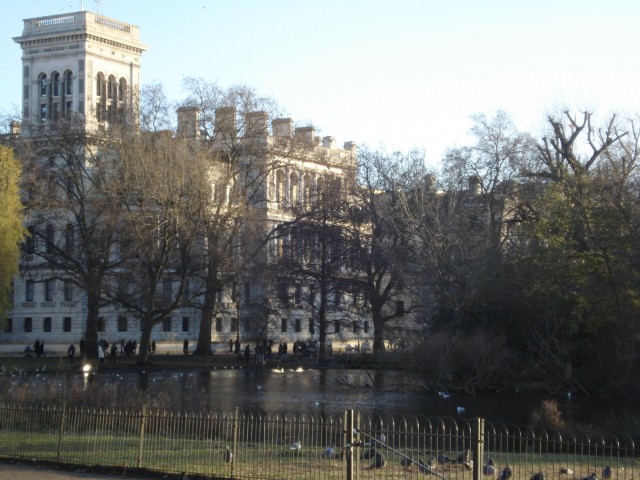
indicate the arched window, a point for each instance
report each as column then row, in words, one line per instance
column 306, row 191
column 122, row 89
column 42, row 81
column 112, row 88
column 319, row 189
column 68, row 82
column 280, row 191
column 293, row 189
column 55, row 81
column 100, row 84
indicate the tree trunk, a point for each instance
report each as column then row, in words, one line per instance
column 91, row 332
column 203, row 346
column 145, row 337
column 378, row 329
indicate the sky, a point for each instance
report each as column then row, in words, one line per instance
column 392, row 75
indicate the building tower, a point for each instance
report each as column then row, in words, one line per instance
column 78, row 65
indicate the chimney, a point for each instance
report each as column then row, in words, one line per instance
column 475, row 184
column 430, row 182
column 351, row 146
column 256, row 124
column 306, row 134
column 329, row 142
column 282, row 127
column 14, row 128
column 188, row 123
column 225, row 121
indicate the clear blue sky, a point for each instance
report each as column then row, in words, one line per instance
column 398, row 74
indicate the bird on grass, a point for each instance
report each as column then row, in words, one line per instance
column 607, row 473
column 296, row 446
column 329, row 452
column 490, row 467
column 506, row 473
column 464, row 457
column 228, row 455
column 442, row 458
column 378, row 461
column 369, row 454
column 593, row 476
column 566, row 471
column 425, row 468
column 538, row 476
column 184, row 476
column 406, row 463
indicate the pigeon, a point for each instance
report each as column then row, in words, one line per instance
column 296, row 446
column 490, row 467
column 506, row 473
column 606, row 472
column 382, row 438
column 378, row 461
column 538, row 476
column 464, row 457
column 425, row 468
column 593, row 476
column 406, row 463
column 566, row 471
column 228, row 455
column 460, row 410
column 442, row 458
column 369, row 454
column 329, row 452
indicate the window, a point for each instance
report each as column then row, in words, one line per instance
column 8, row 326
column 218, row 324
column 28, row 291
column 166, row 325
column 68, row 82
column 283, row 325
column 247, row 292
column 68, row 290
column 46, row 324
column 400, row 308
column 48, row 290
column 122, row 324
column 234, row 325
column 337, row 326
column 166, row 291
column 312, row 327
column 298, row 294
column 298, row 325
column 68, row 239
column 43, row 85
column 28, row 324
column 365, row 327
column 101, row 324
column 185, row 324
column 55, row 80
column 30, row 241
column 66, row 324
column 49, row 238
column 355, row 326
column 43, row 113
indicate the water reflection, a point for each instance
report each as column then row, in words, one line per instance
column 372, row 393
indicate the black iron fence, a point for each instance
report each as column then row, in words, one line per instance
column 236, row 444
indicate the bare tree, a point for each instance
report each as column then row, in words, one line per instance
column 161, row 188
column 73, row 217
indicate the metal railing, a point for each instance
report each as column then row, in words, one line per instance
column 236, row 444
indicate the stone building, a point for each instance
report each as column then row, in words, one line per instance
column 86, row 66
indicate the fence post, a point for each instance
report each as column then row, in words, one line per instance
column 477, row 442
column 349, row 439
column 236, row 427
column 61, row 429
column 143, row 422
